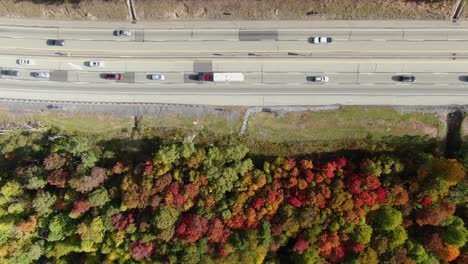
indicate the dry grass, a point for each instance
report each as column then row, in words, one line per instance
column 104, row 125
column 81, row 10
column 349, row 123
column 293, row 9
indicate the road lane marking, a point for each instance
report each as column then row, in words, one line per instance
column 311, row 50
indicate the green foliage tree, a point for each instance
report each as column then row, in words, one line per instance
column 11, row 189
column 362, row 233
column 416, row 251
column 60, row 228
column 264, row 233
column 44, row 203
column 98, row 197
column 93, row 230
column 168, row 154
column 397, row 237
column 387, row 218
column 166, row 217
column 35, row 178
column 455, row 233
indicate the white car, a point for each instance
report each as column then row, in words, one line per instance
column 98, row 64
column 24, row 61
column 320, row 40
column 44, row 75
column 157, row 77
column 318, row 79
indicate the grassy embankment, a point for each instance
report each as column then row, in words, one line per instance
column 295, row 133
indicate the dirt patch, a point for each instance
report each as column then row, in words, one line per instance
column 71, row 9
column 293, row 9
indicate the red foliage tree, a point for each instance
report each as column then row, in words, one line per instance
column 353, row 184
column 236, row 222
column 58, row 178
column 426, row 201
column 148, row 167
column 192, row 228
column 174, row 188
column 327, row 244
column 372, row 182
column 141, row 250
column 258, row 203
column 309, row 176
column 191, row 190
column 61, row 204
column 329, row 169
column 121, row 220
column 80, row 206
column 218, row 232
column 119, row 168
column 381, row 194
column 434, row 243
column 435, row 215
column 294, row 201
column 161, row 183
column 301, row 246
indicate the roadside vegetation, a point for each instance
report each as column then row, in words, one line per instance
column 76, row 198
column 148, row 10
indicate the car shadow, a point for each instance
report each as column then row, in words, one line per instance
column 396, row 78
column 103, row 75
column 463, row 78
column 310, row 78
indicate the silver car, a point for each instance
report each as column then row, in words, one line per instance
column 157, row 77
column 24, row 61
column 122, row 32
column 44, row 75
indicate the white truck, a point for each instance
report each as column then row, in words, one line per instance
column 221, row 76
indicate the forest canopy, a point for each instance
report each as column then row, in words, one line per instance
column 69, row 199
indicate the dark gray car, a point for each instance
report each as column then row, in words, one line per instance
column 56, row 42
column 10, row 72
column 406, row 78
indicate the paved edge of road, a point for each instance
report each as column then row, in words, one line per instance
column 189, row 24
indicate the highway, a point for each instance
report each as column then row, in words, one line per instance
column 362, row 63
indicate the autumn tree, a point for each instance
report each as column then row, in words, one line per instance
column 387, row 218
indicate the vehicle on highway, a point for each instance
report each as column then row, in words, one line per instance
column 221, row 76
column 320, row 40
column 24, row 61
column 10, row 72
column 122, row 32
column 44, row 75
column 56, row 42
column 157, row 77
column 98, row 64
column 113, row 76
column 406, row 78
column 317, row 79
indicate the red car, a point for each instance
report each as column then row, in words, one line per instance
column 114, row 76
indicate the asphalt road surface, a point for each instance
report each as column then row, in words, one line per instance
column 362, row 63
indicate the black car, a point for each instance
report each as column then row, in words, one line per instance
column 406, row 78
column 56, row 42
column 10, row 72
